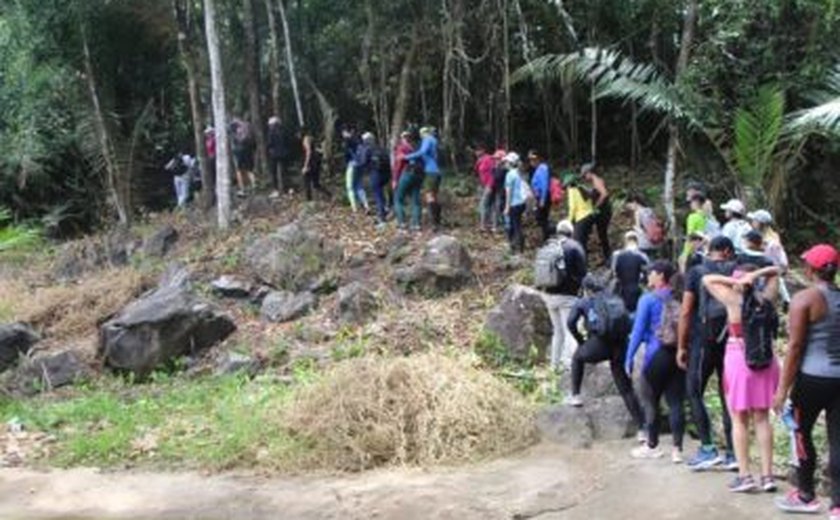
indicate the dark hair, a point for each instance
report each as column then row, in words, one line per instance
column 699, row 198
column 721, row 244
column 534, row 153
column 828, row 273
column 665, row 268
column 638, row 199
column 593, row 283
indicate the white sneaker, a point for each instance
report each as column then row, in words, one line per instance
column 641, row 437
column 645, row 452
column 676, row 456
column 274, row 195
column 574, row 400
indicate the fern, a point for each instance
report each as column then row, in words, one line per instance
column 13, row 237
column 758, row 128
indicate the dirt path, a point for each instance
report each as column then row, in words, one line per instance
column 547, row 482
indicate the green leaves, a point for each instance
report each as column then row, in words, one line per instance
column 13, row 237
column 758, row 127
column 825, row 117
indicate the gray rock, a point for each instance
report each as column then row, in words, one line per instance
column 160, row 327
column 282, row 306
column 48, row 372
column 356, row 303
column 566, row 425
column 610, row 418
column 176, row 276
column 521, row 322
column 16, row 339
column 292, row 258
column 159, row 243
column 444, row 266
column 598, row 381
column 77, row 258
column 231, row 286
column 256, row 206
column 232, row 362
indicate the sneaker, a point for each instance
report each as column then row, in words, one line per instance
column 646, row 452
column 834, row 514
column 793, row 503
column 705, row 458
column 676, row 456
column 641, row 437
column 240, row 193
column 742, row 484
column 729, row 463
column 768, row 485
column 274, row 195
column 574, row 400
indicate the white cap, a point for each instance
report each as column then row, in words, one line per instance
column 367, row 136
column 565, row 227
column 761, row 216
column 273, row 120
column 734, row 206
column 512, row 158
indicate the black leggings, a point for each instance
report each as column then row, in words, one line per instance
column 602, row 222
column 705, row 359
column 276, row 169
column 312, row 179
column 811, row 395
column 595, row 350
column 541, row 216
column 516, row 236
column 663, row 377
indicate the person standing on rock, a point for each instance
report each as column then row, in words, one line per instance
column 628, row 267
column 655, row 326
column 428, row 155
column 603, row 207
column 515, row 202
column 601, row 344
column 812, row 371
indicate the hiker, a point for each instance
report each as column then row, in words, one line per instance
column 580, row 210
column 811, row 375
column 210, row 150
column 380, row 178
column 607, row 324
column 278, row 155
column 753, row 253
column 762, row 221
column 181, row 168
column 408, row 180
column 484, row 166
column 427, row 153
column 628, row 267
column 697, row 190
column 695, row 222
column 311, row 165
column 355, row 192
column 602, row 207
column 700, row 352
column 540, row 185
column 655, row 325
column 749, row 386
column 647, row 226
column 736, row 226
column 243, row 146
column 362, row 166
column 498, row 196
column 695, row 251
column 516, row 198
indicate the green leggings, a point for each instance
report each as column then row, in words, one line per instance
column 409, row 186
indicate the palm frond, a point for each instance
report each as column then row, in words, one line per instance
column 825, row 117
column 758, row 128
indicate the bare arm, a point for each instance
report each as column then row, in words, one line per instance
column 684, row 327
column 798, row 319
column 722, row 288
column 601, row 188
column 307, row 152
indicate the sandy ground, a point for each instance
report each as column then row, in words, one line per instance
column 547, row 482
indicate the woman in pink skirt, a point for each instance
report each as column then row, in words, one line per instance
column 749, row 393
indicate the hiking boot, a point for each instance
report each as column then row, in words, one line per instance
column 742, row 484
column 574, row 400
column 676, row 455
column 768, row 484
column 792, row 502
column 646, row 452
column 705, row 458
column 729, row 463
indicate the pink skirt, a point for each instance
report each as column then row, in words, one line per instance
column 746, row 389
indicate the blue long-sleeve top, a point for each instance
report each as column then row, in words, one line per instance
column 540, row 184
column 648, row 318
column 362, row 158
column 428, row 154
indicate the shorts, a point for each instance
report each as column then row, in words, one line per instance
column 431, row 183
column 244, row 160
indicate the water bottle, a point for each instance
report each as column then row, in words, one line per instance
column 787, row 417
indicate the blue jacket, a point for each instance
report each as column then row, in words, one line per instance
column 539, row 184
column 362, row 158
column 428, row 154
column 648, row 317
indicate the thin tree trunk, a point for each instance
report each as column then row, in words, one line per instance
column 219, row 116
column 593, row 138
column 290, row 63
column 404, row 89
column 252, row 77
column 274, row 58
column 506, row 60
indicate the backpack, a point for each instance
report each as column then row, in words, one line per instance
column 380, row 162
column 607, row 316
column 712, row 312
column 760, row 324
column 653, row 228
column 666, row 332
column 555, row 190
column 550, row 265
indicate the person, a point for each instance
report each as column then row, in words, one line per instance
column 696, row 220
column 575, row 258
column 181, row 168
column 701, row 345
column 499, row 173
column 762, row 221
column 561, row 299
column 243, row 154
column 515, row 202
column 692, row 191
column 355, row 193
column 660, row 373
column 311, row 165
column 602, row 207
column 753, row 253
column 380, row 178
column 694, row 253
column 278, row 155
column 645, row 223
column 580, row 210
column 628, row 267
column 749, row 391
column 428, row 155
column 736, row 226
column 811, row 376
column 601, row 345
column 409, row 179
column 484, row 165
column 210, row 150
column 540, row 185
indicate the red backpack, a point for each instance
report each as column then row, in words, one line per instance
column 556, row 192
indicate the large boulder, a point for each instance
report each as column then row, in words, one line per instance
column 160, row 242
column 521, row 322
column 445, row 265
column 16, row 339
column 45, row 373
column 160, row 327
column 602, row 419
column 282, row 306
column 356, row 303
column 292, row 258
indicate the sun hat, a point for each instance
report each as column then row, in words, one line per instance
column 762, row 216
column 734, row 206
column 820, row 256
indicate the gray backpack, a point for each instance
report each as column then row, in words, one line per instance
column 550, row 265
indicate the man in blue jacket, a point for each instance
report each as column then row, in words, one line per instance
column 427, row 153
column 540, row 185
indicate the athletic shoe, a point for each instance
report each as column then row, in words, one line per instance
column 793, row 503
column 742, row 484
column 834, row 514
column 705, row 458
column 641, row 437
column 646, row 452
column 729, row 463
column 274, row 195
column 676, row 456
column 574, row 400
column 768, row 485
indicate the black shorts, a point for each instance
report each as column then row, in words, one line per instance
column 244, row 160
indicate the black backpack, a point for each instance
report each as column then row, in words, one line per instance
column 607, row 316
column 713, row 312
column 380, row 162
column 760, row 324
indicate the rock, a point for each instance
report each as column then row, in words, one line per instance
column 566, row 425
column 398, row 249
column 444, row 266
column 257, row 206
column 48, row 372
column 232, row 362
column 282, row 306
column 84, row 256
column 598, row 381
column 231, row 286
column 521, row 322
column 16, row 339
column 176, row 276
column 610, row 418
column 160, row 242
column 160, row 327
column 292, row 258
column 356, row 303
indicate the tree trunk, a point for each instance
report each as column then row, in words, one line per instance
column 290, row 63
column 252, row 77
column 219, row 116
column 506, row 80
column 404, row 89
column 274, row 58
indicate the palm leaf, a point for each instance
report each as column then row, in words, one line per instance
column 825, row 117
column 758, row 128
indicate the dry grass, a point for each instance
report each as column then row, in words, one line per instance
column 417, row 410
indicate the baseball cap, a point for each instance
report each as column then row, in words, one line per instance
column 565, row 227
column 762, row 216
column 631, row 235
column 512, row 158
column 734, row 205
column 367, row 136
column 820, row 256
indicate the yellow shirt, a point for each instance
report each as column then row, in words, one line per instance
column 580, row 207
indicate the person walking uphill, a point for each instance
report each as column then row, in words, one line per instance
column 311, row 165
column 581, row 212
column 540, row 185
column 427, row 154
column 515, row 201
column 812, row 370
column 278, row 154
column 655, row 325
column 407, row 182
column 603, row 207
column 628, row 267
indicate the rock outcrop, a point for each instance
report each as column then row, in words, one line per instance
column 282, row 306
column 444, row 266
column 521, row 322
column 16, row 339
